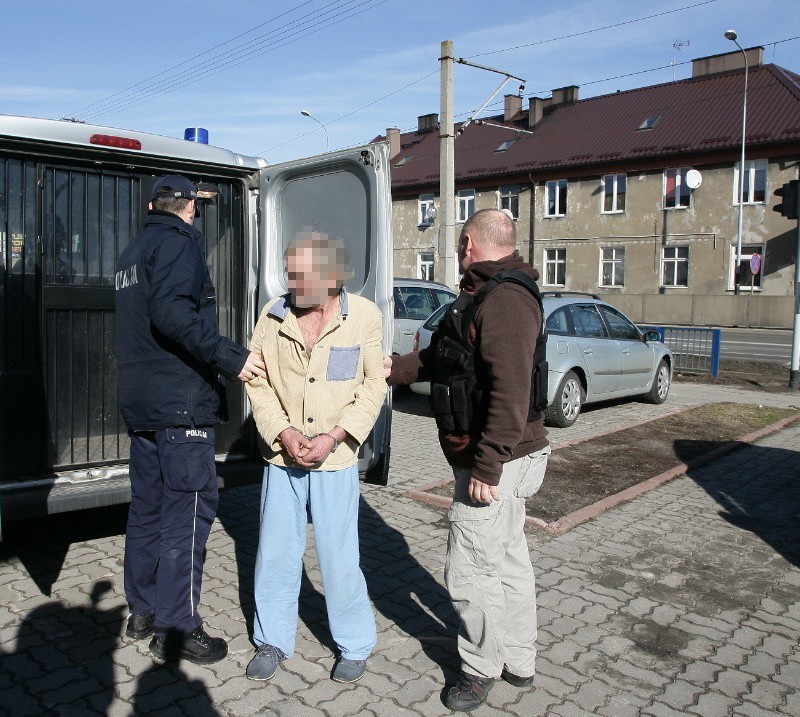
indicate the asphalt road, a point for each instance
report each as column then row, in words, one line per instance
column 773, row 345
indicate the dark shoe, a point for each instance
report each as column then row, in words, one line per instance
column 516, row 680
column 265, row 663
column 196, row 646
column 140, row 626
column 469, row 693
column 348, row 670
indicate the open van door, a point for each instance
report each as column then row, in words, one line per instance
column 345, row 194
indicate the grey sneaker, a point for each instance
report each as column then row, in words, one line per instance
column 348, row 670
column 265, row 663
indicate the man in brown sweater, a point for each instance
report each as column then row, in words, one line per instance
column 498, row 453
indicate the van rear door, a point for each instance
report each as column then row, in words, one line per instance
column 347, row 195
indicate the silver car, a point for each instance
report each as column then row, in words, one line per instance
column 414, row 301
column 594, row 353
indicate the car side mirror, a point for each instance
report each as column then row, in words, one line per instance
column 652, row 336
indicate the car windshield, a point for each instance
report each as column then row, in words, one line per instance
column 436, row 317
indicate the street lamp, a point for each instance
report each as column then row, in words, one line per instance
column 306, row 113
column 731, row 35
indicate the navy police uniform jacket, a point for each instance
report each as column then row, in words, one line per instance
column 169, row 349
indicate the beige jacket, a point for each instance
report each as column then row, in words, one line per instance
column 340, row 383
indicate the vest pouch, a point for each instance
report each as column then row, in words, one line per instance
column 440, row 405
column 461, row 403
column 540, row 386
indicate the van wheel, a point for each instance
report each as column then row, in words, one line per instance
column 660, row 389
column 567, row 403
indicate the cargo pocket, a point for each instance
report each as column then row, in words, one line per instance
column 531, row 474
column 343, row 363
column 188, row 463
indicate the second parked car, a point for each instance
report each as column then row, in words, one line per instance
column 594, row 353
column 414, row 301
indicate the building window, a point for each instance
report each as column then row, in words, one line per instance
column 555, row 267
column 466, row 204
column 746, row 278
column 425, row 265
column 556, row 198
column 612, row 266
column 755, row 182
column 508, row 198
column 425, row 206
column 676, row 192
column 614, row 187
column 675, row 266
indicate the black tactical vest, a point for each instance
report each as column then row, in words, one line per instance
column 458, row 390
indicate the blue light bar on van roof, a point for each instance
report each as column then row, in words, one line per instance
column 110, row 140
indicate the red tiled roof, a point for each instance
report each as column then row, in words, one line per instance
column 701, row 115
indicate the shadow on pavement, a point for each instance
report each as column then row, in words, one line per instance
column 41, row 544
column 406, row 593
column 401, row 589
column 63, row 659
column 759, row 492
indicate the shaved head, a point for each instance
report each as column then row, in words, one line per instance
column 492, row 230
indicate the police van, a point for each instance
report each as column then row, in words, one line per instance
column 72, row 196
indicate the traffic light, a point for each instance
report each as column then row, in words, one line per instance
column 789, row 194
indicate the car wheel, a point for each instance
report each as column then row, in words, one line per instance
column 660, row 389
column 566, row 406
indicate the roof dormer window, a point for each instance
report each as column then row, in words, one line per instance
column 506, row 145
column 649, row 123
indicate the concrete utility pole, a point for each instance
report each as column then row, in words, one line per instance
column 447, row 217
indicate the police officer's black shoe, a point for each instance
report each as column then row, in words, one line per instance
column 470, row 692
column 140, row 626
column 196, row 646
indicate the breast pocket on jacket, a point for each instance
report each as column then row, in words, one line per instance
column 343, row 363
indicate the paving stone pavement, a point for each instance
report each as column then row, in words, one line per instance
column 685, row 601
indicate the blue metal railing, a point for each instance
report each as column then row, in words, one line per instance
column 693, row 348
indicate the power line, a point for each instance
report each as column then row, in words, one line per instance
column 313, row 22
column 596, row 29
column 174, row 67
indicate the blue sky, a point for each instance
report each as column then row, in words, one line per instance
column 359, row 66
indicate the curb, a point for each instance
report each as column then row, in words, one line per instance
column 566, row 522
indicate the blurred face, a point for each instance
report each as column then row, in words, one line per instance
column 310, row 283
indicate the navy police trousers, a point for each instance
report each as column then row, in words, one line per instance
column 174, row 498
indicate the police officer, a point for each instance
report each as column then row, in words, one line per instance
column 487, row 367
column 169, row 356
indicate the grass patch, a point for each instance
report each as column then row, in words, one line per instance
column 585, row 473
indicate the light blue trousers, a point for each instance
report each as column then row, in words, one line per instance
column 331, row 497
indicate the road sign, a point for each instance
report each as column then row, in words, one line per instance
column 755, row 263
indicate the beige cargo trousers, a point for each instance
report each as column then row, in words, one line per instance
column 489, row 575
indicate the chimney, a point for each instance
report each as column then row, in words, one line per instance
column 713, row 64
column 535, row 111
column 393, row 135
column 427, row 123
column 565, row 95
column 513, row 106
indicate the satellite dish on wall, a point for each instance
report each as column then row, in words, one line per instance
column 693, row 179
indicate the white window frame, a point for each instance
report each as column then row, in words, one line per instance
column 465, row 199
column 555, row 185
column 747, row 252
column 752, row 168
column 617, row 261
column 509, row 193
column 425, row 266
column 680, row 181
column 554, row 259
column 675, row 261
column 425, row 202
column 615, row 208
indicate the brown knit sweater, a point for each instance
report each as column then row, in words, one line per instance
column 504, row 332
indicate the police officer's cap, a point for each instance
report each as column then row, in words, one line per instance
column 174, row 186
